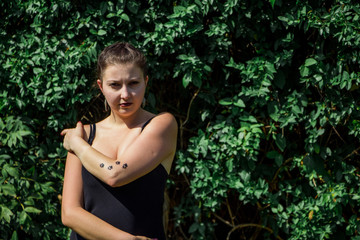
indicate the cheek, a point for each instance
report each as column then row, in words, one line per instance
column 110, row 96
column 139, row 92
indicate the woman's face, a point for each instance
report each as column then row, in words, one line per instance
column 123, row 86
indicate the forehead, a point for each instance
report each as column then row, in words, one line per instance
column 122, row 71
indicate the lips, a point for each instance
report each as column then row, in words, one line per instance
column 125, row 104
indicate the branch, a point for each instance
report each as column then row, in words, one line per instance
column 188, row 111
column 338, row 134
column 223, row 220
column 278, row 171
column 182, row 124
column 251, row 225
column 352, row 153
column 230, row 212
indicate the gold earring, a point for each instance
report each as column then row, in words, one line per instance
column 143, row 102
column 106, row 105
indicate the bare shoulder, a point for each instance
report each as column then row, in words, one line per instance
column 164, row 121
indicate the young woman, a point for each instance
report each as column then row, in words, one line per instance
column 116, row 169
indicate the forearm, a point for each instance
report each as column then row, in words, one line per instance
column 101, row 166
column 91, row 227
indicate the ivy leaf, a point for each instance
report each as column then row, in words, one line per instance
column 8, row 189
column 280, row 142
column 304, row 71
column 133, row 6
column 225, row 101
column 239, row 103
column 272, row 154
column 101, row 32
column 14, row 236
column 6, row 213
column 11, row 170
column 22, row 217
column 32, row 210
column 280, row 79
column 310, row 62
column 37, row 70
column 125, row 17
column 272, row 2
column 186, row 80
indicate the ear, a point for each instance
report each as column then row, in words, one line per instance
column 99, row 83
column 146, row 80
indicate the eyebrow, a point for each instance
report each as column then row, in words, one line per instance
column 120, row 80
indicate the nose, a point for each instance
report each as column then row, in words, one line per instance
column 125, row 94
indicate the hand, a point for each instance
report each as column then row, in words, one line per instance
column 72, row 135
column 143, row 238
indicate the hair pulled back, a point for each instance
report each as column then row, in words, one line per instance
column 120, row 53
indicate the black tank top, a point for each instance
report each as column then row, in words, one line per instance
column 136, row 208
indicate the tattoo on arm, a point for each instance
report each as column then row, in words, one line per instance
column 111, row 167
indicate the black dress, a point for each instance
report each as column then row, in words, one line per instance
column 136, row 207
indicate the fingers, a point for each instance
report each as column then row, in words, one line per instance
column 79, row 127
column 79, row 124
column 144, row 238
column 63, row 132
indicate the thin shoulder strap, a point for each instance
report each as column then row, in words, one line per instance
column 92, row 133
column 146, row 123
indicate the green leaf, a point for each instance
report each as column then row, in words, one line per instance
column 280, row 142
column 316, row 148
column 273, row 110
column 186, row 79
column 37, row 70
column 272, row 154
column 310, row 62
column 125, row 17
column 230, row 164
column 8, row 189
column 207, row 68
column 304, row 71
column 101, row 32
column 225, row 101
column 133, row 6
column 11, row 170
column 280, row 79
column 270, row 67
column 32, row 210
column 23, row 216
column 239, row 103
column 6, row 213
column 272, row 2
column 279, row 160
column 193, row 227
column 14, row 236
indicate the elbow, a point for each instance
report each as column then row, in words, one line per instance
column 115, row 180
column 66, row 217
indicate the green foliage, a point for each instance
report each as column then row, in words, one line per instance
column 265, row 92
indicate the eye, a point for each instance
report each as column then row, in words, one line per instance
column 133, row 83
column 114, row 84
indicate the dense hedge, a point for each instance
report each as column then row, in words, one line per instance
column 266, row 94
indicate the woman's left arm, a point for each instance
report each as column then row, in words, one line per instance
column 154, row 145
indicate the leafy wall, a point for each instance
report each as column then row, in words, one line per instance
column 266, row 94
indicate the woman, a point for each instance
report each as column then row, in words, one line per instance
column 116, row 169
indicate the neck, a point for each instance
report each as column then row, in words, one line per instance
column 130, row 121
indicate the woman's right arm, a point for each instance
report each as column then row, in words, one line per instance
column 75, row 216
